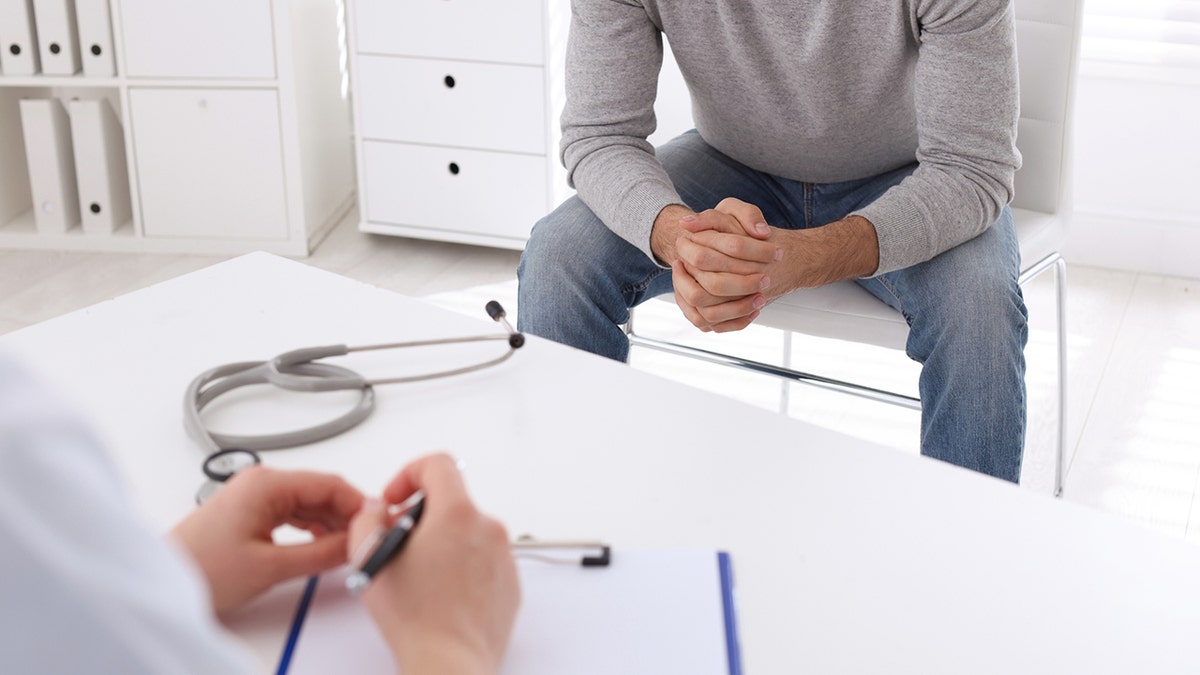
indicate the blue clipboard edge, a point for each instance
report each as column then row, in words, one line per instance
column 732, row 646
column 285, row 660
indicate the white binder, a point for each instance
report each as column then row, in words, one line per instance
column 51, row 165
column 18, row 38
column 95, row 40
column 58, row 39
column 100, row 167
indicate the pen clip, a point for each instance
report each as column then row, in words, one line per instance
column 527, row 546
column 385, row 543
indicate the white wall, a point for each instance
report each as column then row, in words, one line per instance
column 1137, row 170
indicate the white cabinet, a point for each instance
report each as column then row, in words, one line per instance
column 189, row 39
column 439, row 102
column 456, row 109
column 233, row 116
column 210, row 162
column 500, row 31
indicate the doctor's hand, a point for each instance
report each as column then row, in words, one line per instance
column 229, row 535
column 719, row 262
column 446, row 604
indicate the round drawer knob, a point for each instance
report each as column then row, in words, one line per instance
column 54, row 48
column 94, row 208
column 96, row 50
column 454, row 168
column 449, row 81
column 15, row 49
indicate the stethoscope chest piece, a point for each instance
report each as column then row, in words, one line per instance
column 220, row 466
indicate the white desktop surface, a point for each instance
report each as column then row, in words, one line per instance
column 849, row 558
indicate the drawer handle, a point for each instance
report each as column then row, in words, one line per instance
column 454, row 168
column 96, row 50
column 54, row 48
column 15, row 49
column 449, row 81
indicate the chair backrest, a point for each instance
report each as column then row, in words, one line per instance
column 1047, row 40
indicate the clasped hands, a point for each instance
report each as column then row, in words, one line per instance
column 727, row 263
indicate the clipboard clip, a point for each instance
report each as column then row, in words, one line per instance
column 527, row 546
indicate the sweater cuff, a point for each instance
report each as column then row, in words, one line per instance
column 638, row 210
column 901, row 231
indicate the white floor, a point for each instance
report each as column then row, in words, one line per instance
column 1134, row 342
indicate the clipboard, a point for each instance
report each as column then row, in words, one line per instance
column 649, row 611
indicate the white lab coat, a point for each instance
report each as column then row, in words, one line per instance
column 85, row 585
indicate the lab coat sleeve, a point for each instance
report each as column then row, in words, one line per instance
column 86, row 585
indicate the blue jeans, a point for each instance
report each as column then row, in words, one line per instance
column 966, row 315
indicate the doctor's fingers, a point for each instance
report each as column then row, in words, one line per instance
column 366, row 528
column 436, row 474
column 309, row 496
column 301, row 560
column 270, row 497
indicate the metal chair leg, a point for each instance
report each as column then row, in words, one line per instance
column 1060, row 284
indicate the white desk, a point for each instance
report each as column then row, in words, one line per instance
column 849, row 558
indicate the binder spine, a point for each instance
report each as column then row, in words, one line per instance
column 100, row 167
column 58, row 37
column 95, row 38
column 49, row 155
column 18, row 38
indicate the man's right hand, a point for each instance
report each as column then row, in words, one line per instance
column 718, row 260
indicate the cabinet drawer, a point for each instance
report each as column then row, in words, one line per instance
column 211, row 39
column 507, row 31
column 478, row 192
column 473, row 105
column 209, row 163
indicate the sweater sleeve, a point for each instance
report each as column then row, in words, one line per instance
column 614, row 54
column 967, row 106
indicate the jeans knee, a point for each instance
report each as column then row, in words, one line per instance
column 981, row 321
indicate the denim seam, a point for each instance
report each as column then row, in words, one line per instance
column 639, row 287
column 883, row 281
column 808, row 204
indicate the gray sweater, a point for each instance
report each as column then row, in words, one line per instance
column 810, row 90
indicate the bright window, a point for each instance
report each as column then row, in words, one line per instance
column 1147, row 32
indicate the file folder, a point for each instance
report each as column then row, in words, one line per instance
column 100, row 169
column 95, row 38
column 649, row 612
column 57, row 36
column 51, row 165
column 18, row 38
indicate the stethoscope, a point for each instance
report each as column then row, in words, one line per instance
column 296, row 370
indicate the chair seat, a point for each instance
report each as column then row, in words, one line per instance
column 845, row 311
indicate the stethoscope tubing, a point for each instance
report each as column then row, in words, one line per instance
column 295, row 371
column 214, row 382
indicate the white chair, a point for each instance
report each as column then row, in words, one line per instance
column 1047, row 48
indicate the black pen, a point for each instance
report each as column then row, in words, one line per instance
column 390, row 545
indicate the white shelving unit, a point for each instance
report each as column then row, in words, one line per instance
column 237, row 128
column 456, row 111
